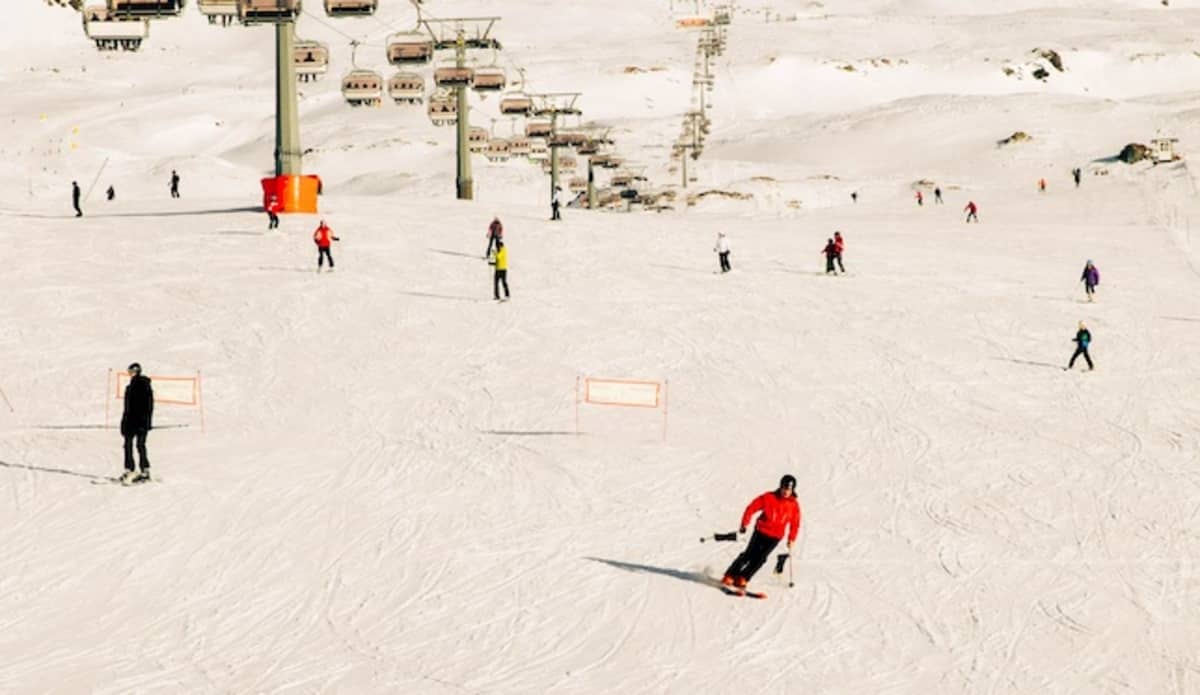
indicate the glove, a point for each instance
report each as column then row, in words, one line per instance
column 742, row 530
column 790, row 544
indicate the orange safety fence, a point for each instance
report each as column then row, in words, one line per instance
column 168, row 390
column 628, row 393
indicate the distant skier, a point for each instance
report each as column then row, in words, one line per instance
column 920, row 199
column 780, row 514
column 324, row 238
column 722, row 250
column 272, row 208
column 174, row 184
column 972, row 211
column 555, row 202
column 495, row 235
column 840, row 246
column 75, row 193
column 136, row 423
column 1041, row 185
column 830, row 252
column 937, row 195
column 1077, row 174
column 1083, row 338
column 111, row 193
column 500, row 274
column 854, row 196
column 1090, row 278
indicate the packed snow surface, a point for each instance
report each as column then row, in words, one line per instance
column 389, row 494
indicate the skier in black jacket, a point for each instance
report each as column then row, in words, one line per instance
column 136, row 422
column 1083, row 338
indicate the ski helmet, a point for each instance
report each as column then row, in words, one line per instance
column 135, row 368
column 787, row 481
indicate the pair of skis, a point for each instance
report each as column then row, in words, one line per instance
column 780, row 561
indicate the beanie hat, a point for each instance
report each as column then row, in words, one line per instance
column 788, row 480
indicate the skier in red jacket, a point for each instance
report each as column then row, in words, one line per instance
column 972, row 211
column 780, row 514
column 324, row 238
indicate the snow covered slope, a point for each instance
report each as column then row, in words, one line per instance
column 389, row 495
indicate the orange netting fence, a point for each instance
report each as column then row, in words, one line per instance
column 168, row 390
column 627, row 393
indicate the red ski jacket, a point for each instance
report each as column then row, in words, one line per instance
column 778, row 513
column 495, row 230
column 323, row 237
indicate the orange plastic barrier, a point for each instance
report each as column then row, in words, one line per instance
column 628, row 393
column 295, row 193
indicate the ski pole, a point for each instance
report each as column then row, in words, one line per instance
column 731, row 536
column 791, row 580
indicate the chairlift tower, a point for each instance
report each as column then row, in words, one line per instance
column 461, row 34
column 555, row 104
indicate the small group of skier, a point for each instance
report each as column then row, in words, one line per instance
column 497, row 258
column 834, row 247
column 111, row 193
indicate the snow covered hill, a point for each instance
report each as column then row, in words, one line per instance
column 389, row 496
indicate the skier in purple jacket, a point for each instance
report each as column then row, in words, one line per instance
column 1090, row 278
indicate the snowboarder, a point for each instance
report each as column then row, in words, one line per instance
column 1041, row 185
column 722, row 249
column 174, row 184
column 495, row 234
column 500, row 276
column 920, row 199
column 75, row 198
column 111, row 193
column 1077, row 174
column 854, row 196
column 1090, row 278
column 780, row 513
column 324, row 238
column 830, row 252
column 1083, row 338
column 554, row 204
column 136, row 423
column 972, row 211
column 840, row 245
column 272, row 208
column 937, row 195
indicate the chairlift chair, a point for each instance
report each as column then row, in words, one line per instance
column 518, row 147
column 477, row 139
column 410, row 47
column 568, row 138
column 224, row 10
column 350, row 8
column 450, row 75
column 145, row 8
column 311, row 59
column 110, row 32
column 443, row 108
column 567, row 164
column 538, row 149
column 577, row 184
column 516, row 104
column 489, row 79
column 407, row 88
column 363, row 88
column 498, row 150
column 268, row 11
column 538, row 129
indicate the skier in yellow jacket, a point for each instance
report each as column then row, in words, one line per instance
column 500, row 276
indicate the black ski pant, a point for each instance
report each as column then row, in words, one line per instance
column 500, row 278
column 838, row 258
column 972, row 216
column 1089, row 288
column 829, row 264
column 1081, row 350
column 491, row 243
column 322, row 254
column 725, row 267
column 75, row 204
column 174, row 192
column 753, row 557
column 272, row 220
column 140, row 437
column 554, row 212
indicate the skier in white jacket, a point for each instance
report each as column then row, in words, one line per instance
column 722, row 249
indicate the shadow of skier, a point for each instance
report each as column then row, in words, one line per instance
column 695, row 577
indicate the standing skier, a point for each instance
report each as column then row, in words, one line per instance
column 920, row 198
column 324, row 238
column 839, row 245
column 1041, row 185
column 272, row 208
column 174, row 184
column 1090, row 278
column 75, row 198
column 554, row 204
column 830, row 252
column 495, row 235
column 780, row 513
column 937, row 195
column 722, row 249
column 500, row 276
column 1083, row 338
column 854, row 196
column 1077, row 174
column 136, row 422
column 972, row 211
column 111, row 193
